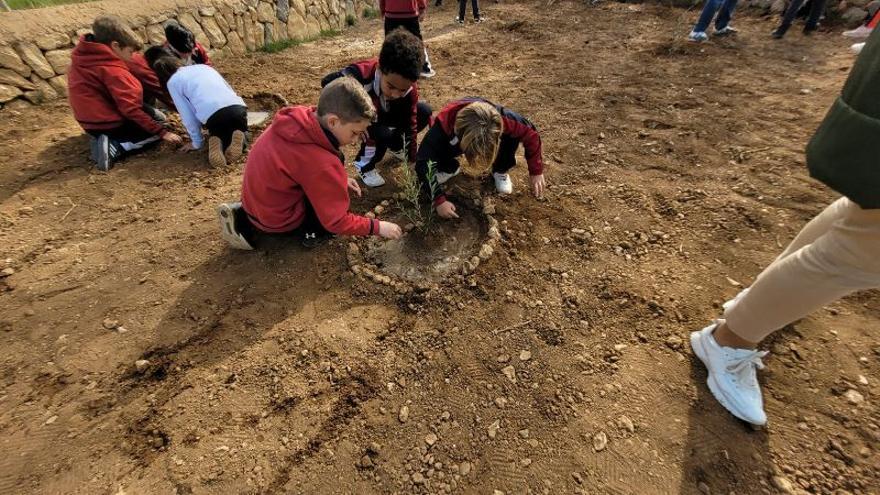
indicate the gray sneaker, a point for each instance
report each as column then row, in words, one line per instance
column 104, row 152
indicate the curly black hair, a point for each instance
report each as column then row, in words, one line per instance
column 402, row 54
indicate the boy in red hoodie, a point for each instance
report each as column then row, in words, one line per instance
column 391, row 82
column 295, row 181
column 106, row 98
column 408, row 15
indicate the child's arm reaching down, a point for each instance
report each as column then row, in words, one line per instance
column 327, row 190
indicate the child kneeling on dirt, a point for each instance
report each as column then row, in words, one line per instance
column 390, row 81
column 203, row 97
column 485, row 133
column 107, row 99
column 295, row 180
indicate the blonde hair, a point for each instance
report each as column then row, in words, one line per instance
column 109, row 28
column 479, row 128
column 347, row 99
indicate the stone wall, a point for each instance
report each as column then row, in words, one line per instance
column 35, row 53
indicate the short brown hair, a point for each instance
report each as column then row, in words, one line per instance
column 347, row 99
column 109, row 28
column 479, row 128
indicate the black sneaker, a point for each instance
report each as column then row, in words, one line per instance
column 778, row 33
column 104, row 152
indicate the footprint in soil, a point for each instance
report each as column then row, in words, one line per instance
column 429, row 257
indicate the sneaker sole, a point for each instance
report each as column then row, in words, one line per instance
column 226, row 216
column 215, row 152
column 711, row 381
column 236, row 147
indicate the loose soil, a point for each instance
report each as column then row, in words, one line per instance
column 561, row 365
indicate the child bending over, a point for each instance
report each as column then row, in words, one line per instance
column 107, row 99
column 295, row 181
column 486, row 134
column 203, row 97
column 391, row 83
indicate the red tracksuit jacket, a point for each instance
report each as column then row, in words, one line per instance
column 401, row 9
column 294, row 160
column 401, row 113
column 149, row 80
column 103, row 93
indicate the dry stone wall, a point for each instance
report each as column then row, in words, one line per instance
column 34, row 62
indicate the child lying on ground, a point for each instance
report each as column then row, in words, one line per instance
column 295, row 181
column 391, row 83
column 107, row 99
column 485, row 133
column 203, row 97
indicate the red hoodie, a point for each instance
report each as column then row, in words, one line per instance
column 402, row 9
column 294, row 160
column 103, row 93
column 149, row 80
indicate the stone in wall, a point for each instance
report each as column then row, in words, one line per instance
column 207, row 11
column 323, row 23
column 282, row 10
column 225, row 11
column 214, row 33
column 10, row 60
column 59, row 84
column 47, row 91
column 32, row 56
column 296, row 27
column 59, row 60
column 189, row 20
column 257, row 31
column 11, row 78
column 8, row 93
column 220, row 19
column 299, row 7
column 312, row 27
column 155, row 34
column 52, row 41
column 269, row 28
column 266, row 12
column 234, row 43
column 242, row 23
column 36, row 97
column 280, row 29
column 854, row 16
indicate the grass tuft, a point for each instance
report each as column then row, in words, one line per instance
column 277, row 46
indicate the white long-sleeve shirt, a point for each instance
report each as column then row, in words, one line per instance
column 198, row 91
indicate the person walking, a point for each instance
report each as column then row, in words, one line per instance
column 835, row 254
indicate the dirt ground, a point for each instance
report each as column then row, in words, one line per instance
column 561, row 365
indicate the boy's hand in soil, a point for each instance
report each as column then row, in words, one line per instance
column 170, row 137
column 537, row 185
column 353, row 185
column 389, row 230
column 446, row 210
column 186, row 148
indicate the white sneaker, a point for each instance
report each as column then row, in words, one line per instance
column 698, row 36
column 226, row 215
column 732, row 376
column 372, row 178
column 726, row 30
column 503, row 183
column 857, row 48
column 442, row 177
column 859, row 32
column 731, row 303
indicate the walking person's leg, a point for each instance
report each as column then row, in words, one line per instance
column 462, row 7
column 475, row 6
column 710, row 8
column 787, row 18
column 840, row 261
column 725, row 14
column 817, row 8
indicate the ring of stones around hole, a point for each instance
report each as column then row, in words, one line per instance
column 369, row 271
